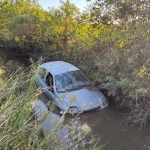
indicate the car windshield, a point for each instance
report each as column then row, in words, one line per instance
column 71, row 81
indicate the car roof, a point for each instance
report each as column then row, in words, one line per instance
column 59, row 67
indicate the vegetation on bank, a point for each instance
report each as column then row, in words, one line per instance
column 110, row 41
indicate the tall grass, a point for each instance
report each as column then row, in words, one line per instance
column 19, row 126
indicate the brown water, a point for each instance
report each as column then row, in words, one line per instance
column 106, row 124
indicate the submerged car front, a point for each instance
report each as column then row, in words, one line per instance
column 72, row 89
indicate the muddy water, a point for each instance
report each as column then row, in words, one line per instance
column 106, row 124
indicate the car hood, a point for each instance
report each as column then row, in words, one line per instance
column 86, row 99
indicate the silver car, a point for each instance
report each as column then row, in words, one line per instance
column 67, row 85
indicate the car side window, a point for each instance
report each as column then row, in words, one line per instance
column 49, row 79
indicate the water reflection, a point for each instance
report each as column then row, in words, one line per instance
column 44, row 105
column 105, row 124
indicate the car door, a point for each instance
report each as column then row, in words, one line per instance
column 50, row 87
column 41, row 81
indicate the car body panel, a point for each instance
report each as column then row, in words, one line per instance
column 87, row 99
column 46, row 88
